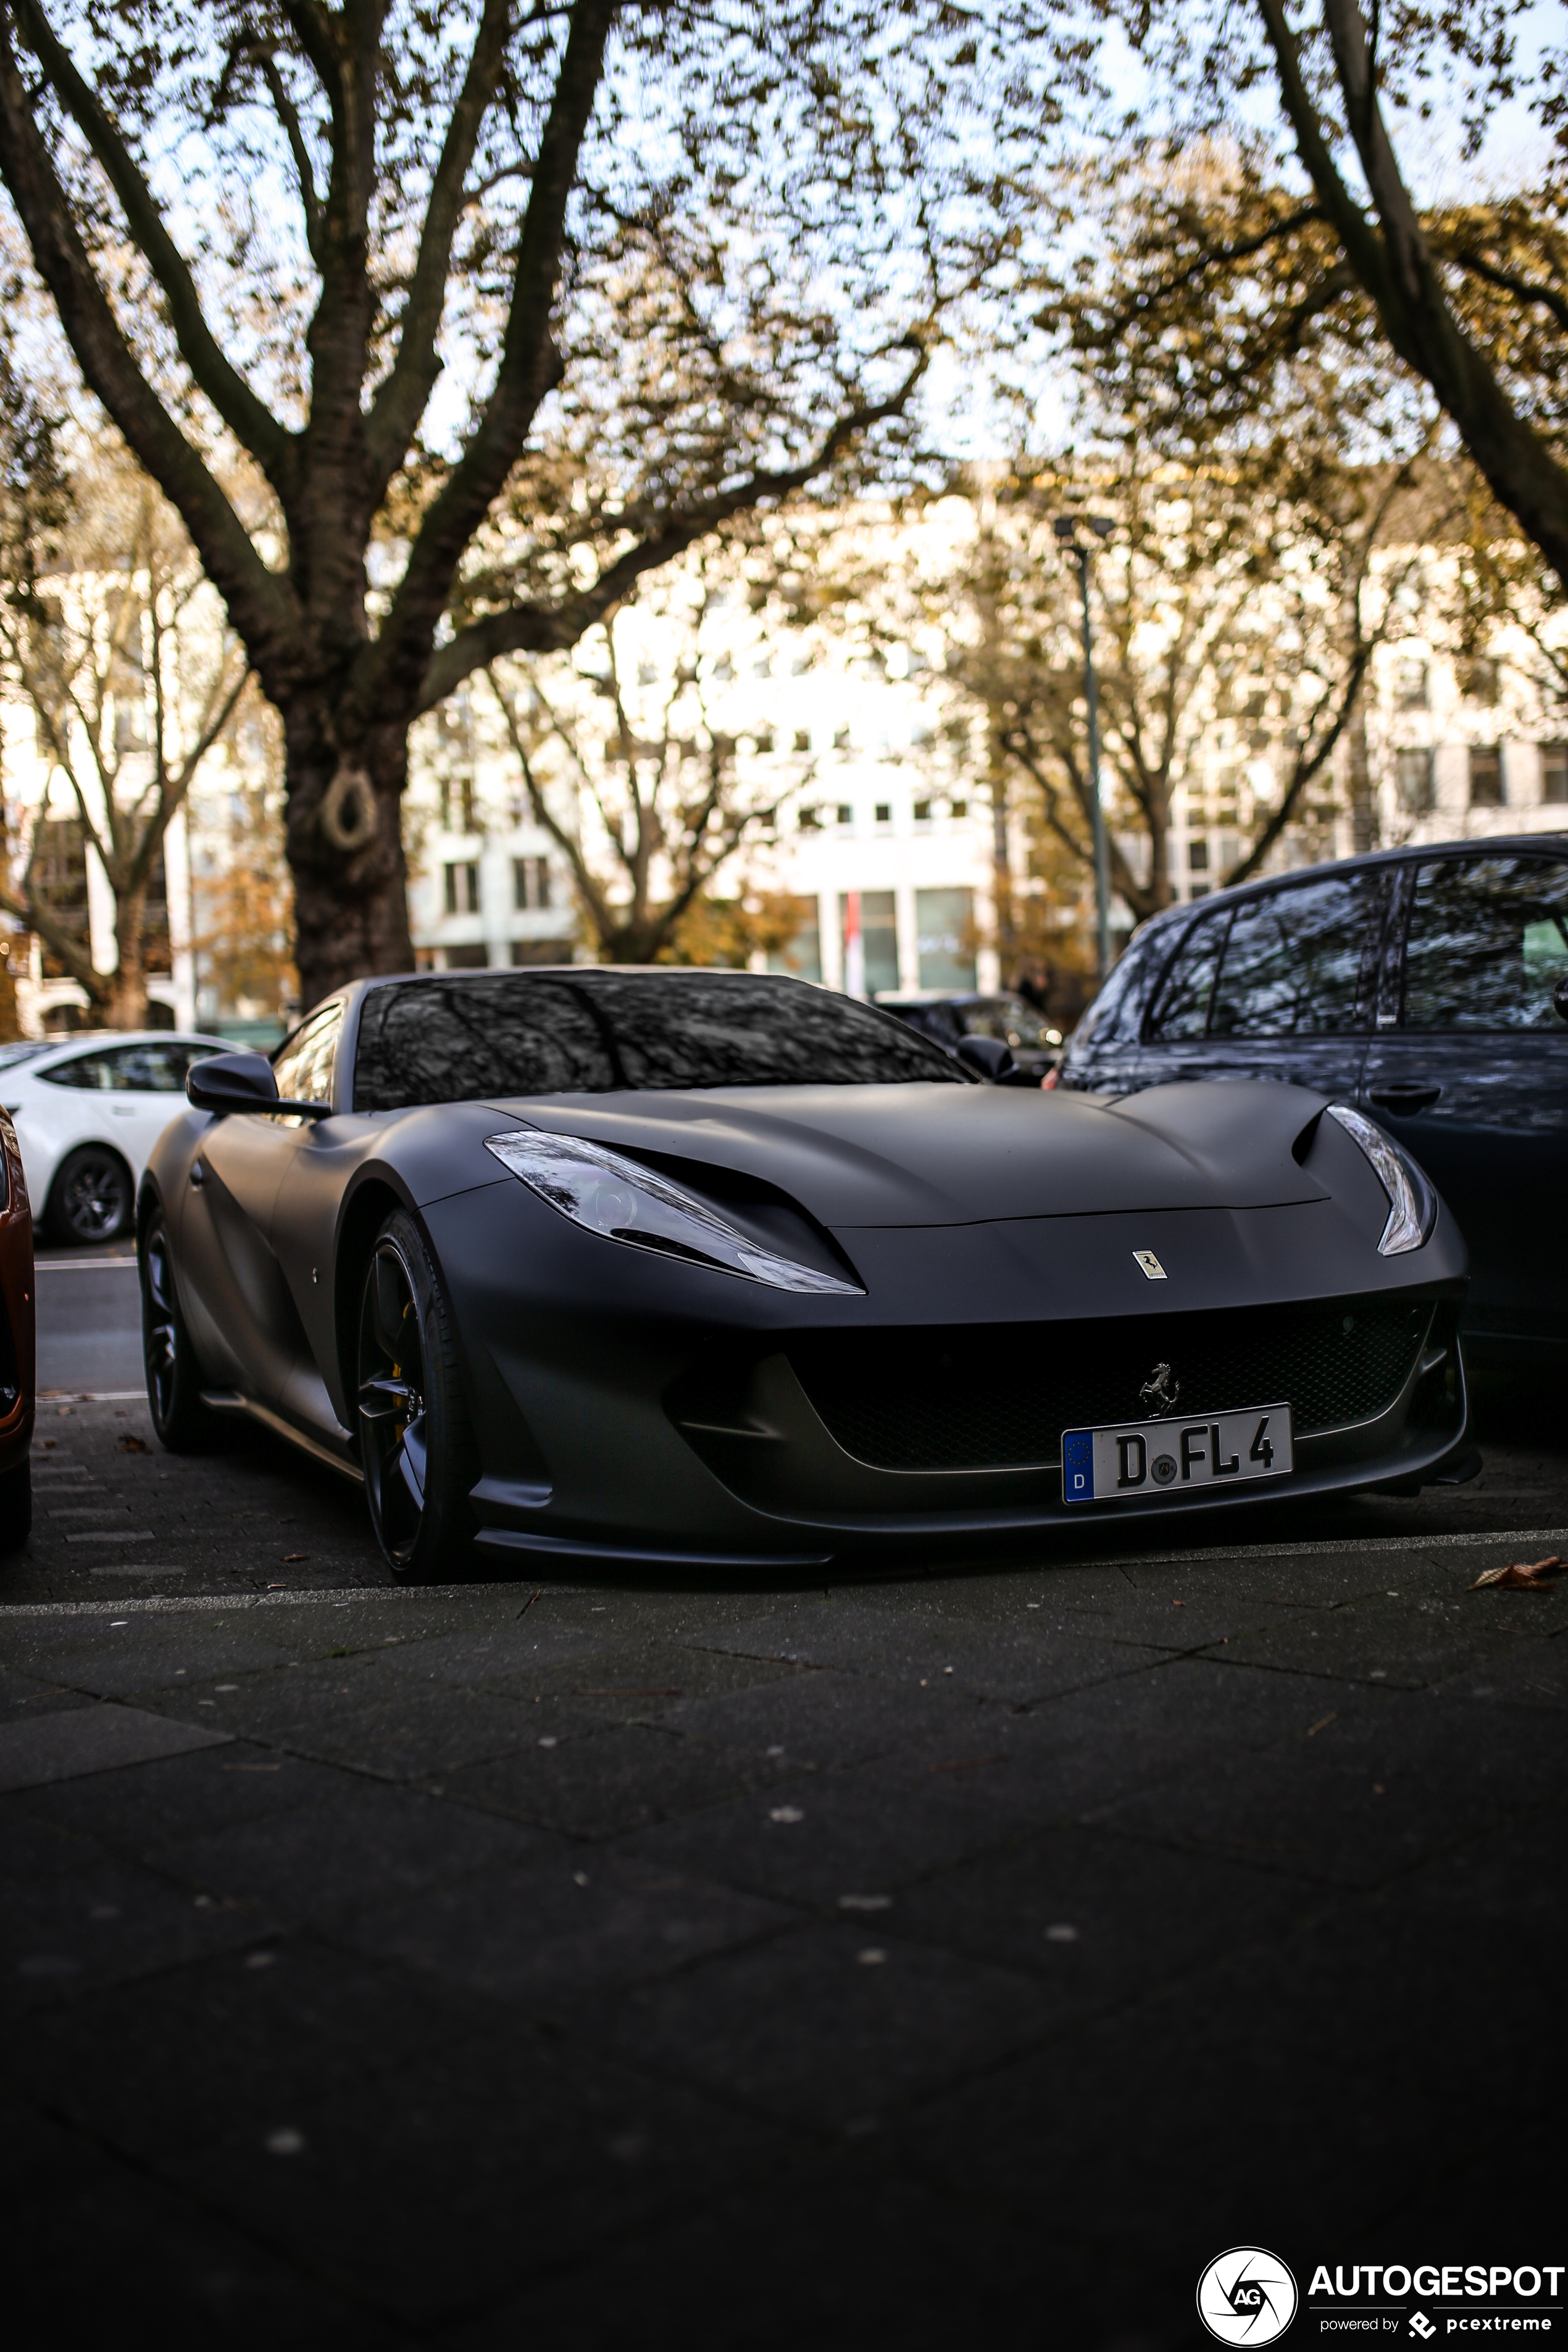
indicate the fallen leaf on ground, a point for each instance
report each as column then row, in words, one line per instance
column 128, row 1444
column 1518, row 1577
column 290, row 1557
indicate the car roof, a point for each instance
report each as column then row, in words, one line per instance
column 1490, row 844
column 93, row 1040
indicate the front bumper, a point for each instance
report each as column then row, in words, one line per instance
column 628, row 1408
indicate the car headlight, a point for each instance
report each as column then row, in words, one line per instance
column 627, row 1202
column 1412, row 1204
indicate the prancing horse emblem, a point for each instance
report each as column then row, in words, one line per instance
column 1160, row 1391
column 1150, row 1264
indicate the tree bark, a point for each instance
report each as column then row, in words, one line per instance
column 127, row 1005
column 345, row 851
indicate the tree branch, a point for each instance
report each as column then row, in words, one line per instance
column 246, row 416
column 551, row 628
column 293, row 130
column 529, row 367
column 260, row 604
column 401, row 399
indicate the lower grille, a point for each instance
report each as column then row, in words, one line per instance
column 998, row 1397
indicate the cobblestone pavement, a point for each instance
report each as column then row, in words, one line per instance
column 957, row 1955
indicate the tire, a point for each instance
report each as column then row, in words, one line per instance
column 16, row 1506
column 416, row 1445
column 182, row 1423
column 90, row 1199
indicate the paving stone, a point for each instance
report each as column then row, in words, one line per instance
column 807, row 2028
column 425, row 2198
column 1014, row 1661
column 1212, row 2125
column 191, row 1795
column 357, row 1843
column 608, row 1781
column 1408, row 1642
column 824, row 1718
column 554, row 1929
column 129, row 2260
column 232, row 2040
column 101, row 1925
column 67, row 1746
column 1100, row 1917
column 839, row 2252
column 1385, row 1784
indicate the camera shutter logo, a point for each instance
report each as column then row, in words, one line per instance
column 1246, row 2296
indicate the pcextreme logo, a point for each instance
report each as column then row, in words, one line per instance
column 1246, row 2296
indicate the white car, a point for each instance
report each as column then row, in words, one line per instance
column 88, row 1110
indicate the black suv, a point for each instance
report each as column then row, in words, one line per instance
column 1429, row 987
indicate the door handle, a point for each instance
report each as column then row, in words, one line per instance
column 1404, row 1101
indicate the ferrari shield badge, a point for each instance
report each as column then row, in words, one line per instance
column 1151, row 1264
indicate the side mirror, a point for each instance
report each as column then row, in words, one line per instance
column 988, row 1055
column 226, row 1082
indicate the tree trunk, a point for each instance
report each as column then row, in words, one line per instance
column 127, row 1005
column 1364, row 809
column 345, row 852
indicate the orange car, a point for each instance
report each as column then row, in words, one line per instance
column 17, row 1345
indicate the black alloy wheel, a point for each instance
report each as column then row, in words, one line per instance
column 173, row 1376
column 415, row 1447
column 91, row 1197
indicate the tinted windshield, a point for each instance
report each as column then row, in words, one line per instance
column 452, row 1040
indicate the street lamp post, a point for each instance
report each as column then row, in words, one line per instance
column 1066, row 528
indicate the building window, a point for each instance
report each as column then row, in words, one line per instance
column 801, row 953
column 923, row 812
column 884, row 812
column 958, row 808
column 530, row 884
column 944, row 938
column 1197, row 858
column 463, row 888
column 1412, row 778
column 1554, row 774
column 1410, row 689
column 59, row 878
column 846, row 813
column 1477, row 674
column 810, row 820
column 475, row 957
column 803, row 738
column 527, row 951
column 878, row 941
column 1486, row 776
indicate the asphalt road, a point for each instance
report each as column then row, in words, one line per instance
column 964, row 1955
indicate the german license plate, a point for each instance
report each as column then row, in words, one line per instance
column 1176, row 1457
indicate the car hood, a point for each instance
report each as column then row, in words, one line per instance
column 940, row 1155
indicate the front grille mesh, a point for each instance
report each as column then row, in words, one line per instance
column 998, row 1397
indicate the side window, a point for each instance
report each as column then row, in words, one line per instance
column 93, row 1070
column 304, row 1067
column 1299, row 962
column 1115, row 1016
column 1181, row 1008
column 1487, row 943
column 150, row 1068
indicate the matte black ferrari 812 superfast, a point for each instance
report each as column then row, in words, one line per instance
column 710, row 1268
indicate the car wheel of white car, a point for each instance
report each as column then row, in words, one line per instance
column 90, row 1199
